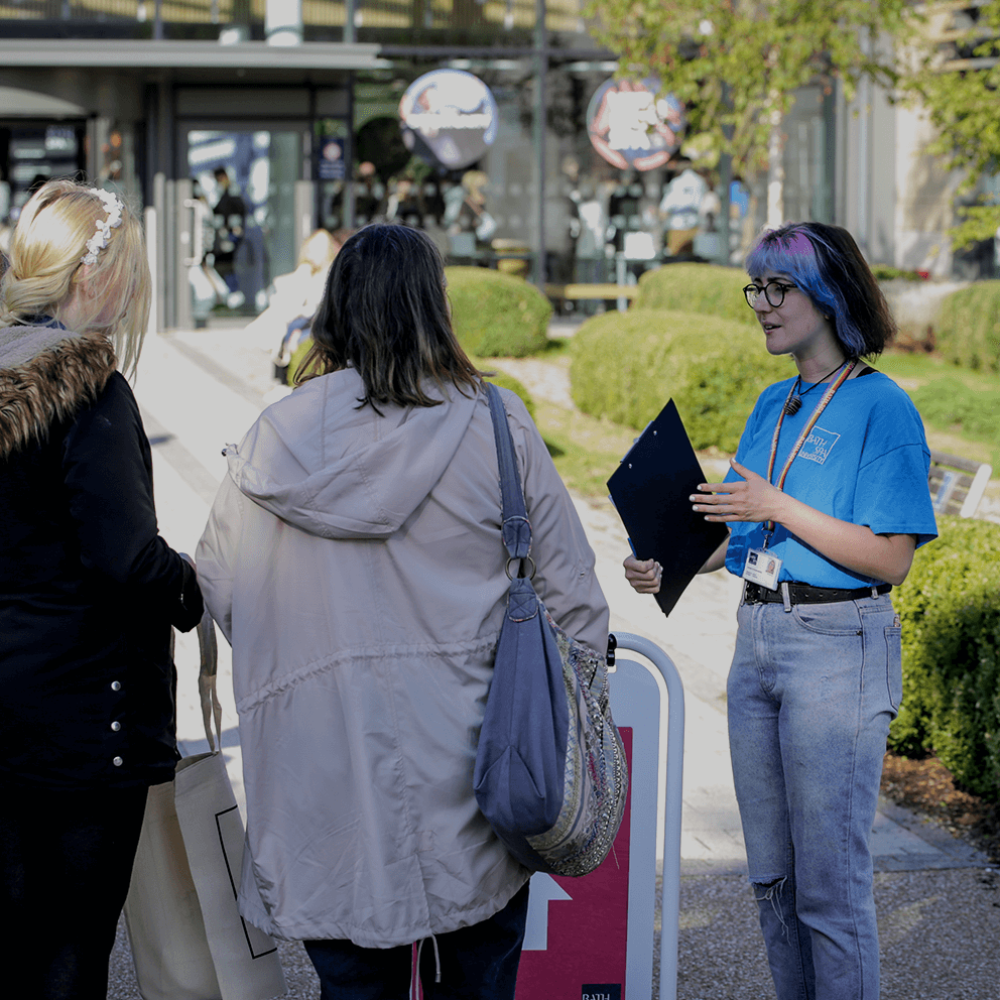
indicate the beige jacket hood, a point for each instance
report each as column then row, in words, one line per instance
column 355, row 563
column 363, row 482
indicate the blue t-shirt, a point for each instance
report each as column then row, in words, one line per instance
column 866, row 461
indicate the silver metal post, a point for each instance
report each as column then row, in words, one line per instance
column 538, row 134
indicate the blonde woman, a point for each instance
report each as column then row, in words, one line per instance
column 88, row 590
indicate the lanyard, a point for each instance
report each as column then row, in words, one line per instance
column 806, row 431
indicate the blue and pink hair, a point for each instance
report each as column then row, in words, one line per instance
column 825, row 262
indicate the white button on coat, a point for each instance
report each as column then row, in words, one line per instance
column 117, row 762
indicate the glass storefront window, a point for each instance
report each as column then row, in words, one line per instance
column 603, row 223
column 331, row 150
column 31, row 154
column 475, row 213
column 245, row 181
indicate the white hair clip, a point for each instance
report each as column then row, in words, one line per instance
column 99, row 240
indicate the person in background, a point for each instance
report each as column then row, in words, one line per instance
column 406, row 201
column 353, row 558
column 707, row 242
column 230, row 222
column 282, row 326
column 207, row 287
column 369, row 193
column 472, row 227
column 826, row 502
column 88, row 590
column 680, row 208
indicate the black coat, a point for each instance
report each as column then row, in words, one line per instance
column 88, row 588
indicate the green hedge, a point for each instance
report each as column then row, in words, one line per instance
column 298, row 356
column 506, row 381
column 497, row 315
column 946, row 401
column 696, row 288
column 627, row 365
column 502, row 379
column 886, row 272
column 950, row 610
column 967, row 331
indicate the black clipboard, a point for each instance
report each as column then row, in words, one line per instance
column 651, row 491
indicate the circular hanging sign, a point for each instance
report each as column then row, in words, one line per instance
column 629, row 127
column 448, row 117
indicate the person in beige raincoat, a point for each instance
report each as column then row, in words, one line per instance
column 353, row 558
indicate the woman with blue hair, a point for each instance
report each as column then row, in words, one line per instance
column 826, row 502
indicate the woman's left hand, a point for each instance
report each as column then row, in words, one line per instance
column 754, row 499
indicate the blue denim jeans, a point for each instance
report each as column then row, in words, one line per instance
column 811, row 694
column 476, row 963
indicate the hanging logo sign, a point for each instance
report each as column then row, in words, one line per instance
column 449, row 118
column 330, row 160
column 630, row 127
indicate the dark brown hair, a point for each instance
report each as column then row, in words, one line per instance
column 385, row 314
column 826, row 263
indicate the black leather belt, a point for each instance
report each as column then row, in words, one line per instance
column 802, row 593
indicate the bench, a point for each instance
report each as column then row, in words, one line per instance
column 957, row 485
column 607, row 291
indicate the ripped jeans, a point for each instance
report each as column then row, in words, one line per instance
column 811, row 694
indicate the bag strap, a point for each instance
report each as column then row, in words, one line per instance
column 211, row 708
column 516, row 529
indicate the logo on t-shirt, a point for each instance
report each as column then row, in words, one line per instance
column 818, row 445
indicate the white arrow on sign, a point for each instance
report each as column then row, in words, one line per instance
column 544, row 890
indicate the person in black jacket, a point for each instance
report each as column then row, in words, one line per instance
column 230, row 226
column 88, row 590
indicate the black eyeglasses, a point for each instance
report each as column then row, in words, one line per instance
column 774, row 292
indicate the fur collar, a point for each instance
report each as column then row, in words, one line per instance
column 46, row 375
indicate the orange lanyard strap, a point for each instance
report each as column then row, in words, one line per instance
column 806, row 431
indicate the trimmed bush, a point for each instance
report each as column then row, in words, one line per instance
column 298, row 356
column 497, row 315
column 697, row 288
column 950, row 610
column 506, row 381
column 627, row 365
column 886, row 272
column 946, row 401
column 502, row 379
column 967, row 331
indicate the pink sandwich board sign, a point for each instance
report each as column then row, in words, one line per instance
column 591, row 938
column 576, row 937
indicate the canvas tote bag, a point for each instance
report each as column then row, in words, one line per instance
column 189, row 941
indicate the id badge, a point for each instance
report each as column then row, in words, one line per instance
column 762, row 568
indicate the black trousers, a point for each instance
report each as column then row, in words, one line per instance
column 476, row 963
column 66, row 860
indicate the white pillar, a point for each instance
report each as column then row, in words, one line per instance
column 283, row 22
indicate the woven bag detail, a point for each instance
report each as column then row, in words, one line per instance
column 596, row 776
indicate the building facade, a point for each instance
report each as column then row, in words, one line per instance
column 239, row 126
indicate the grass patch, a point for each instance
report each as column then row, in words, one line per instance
column 585, row 450
column 907, row 365
column 960, row 408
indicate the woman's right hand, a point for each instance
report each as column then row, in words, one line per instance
column 643, row 574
